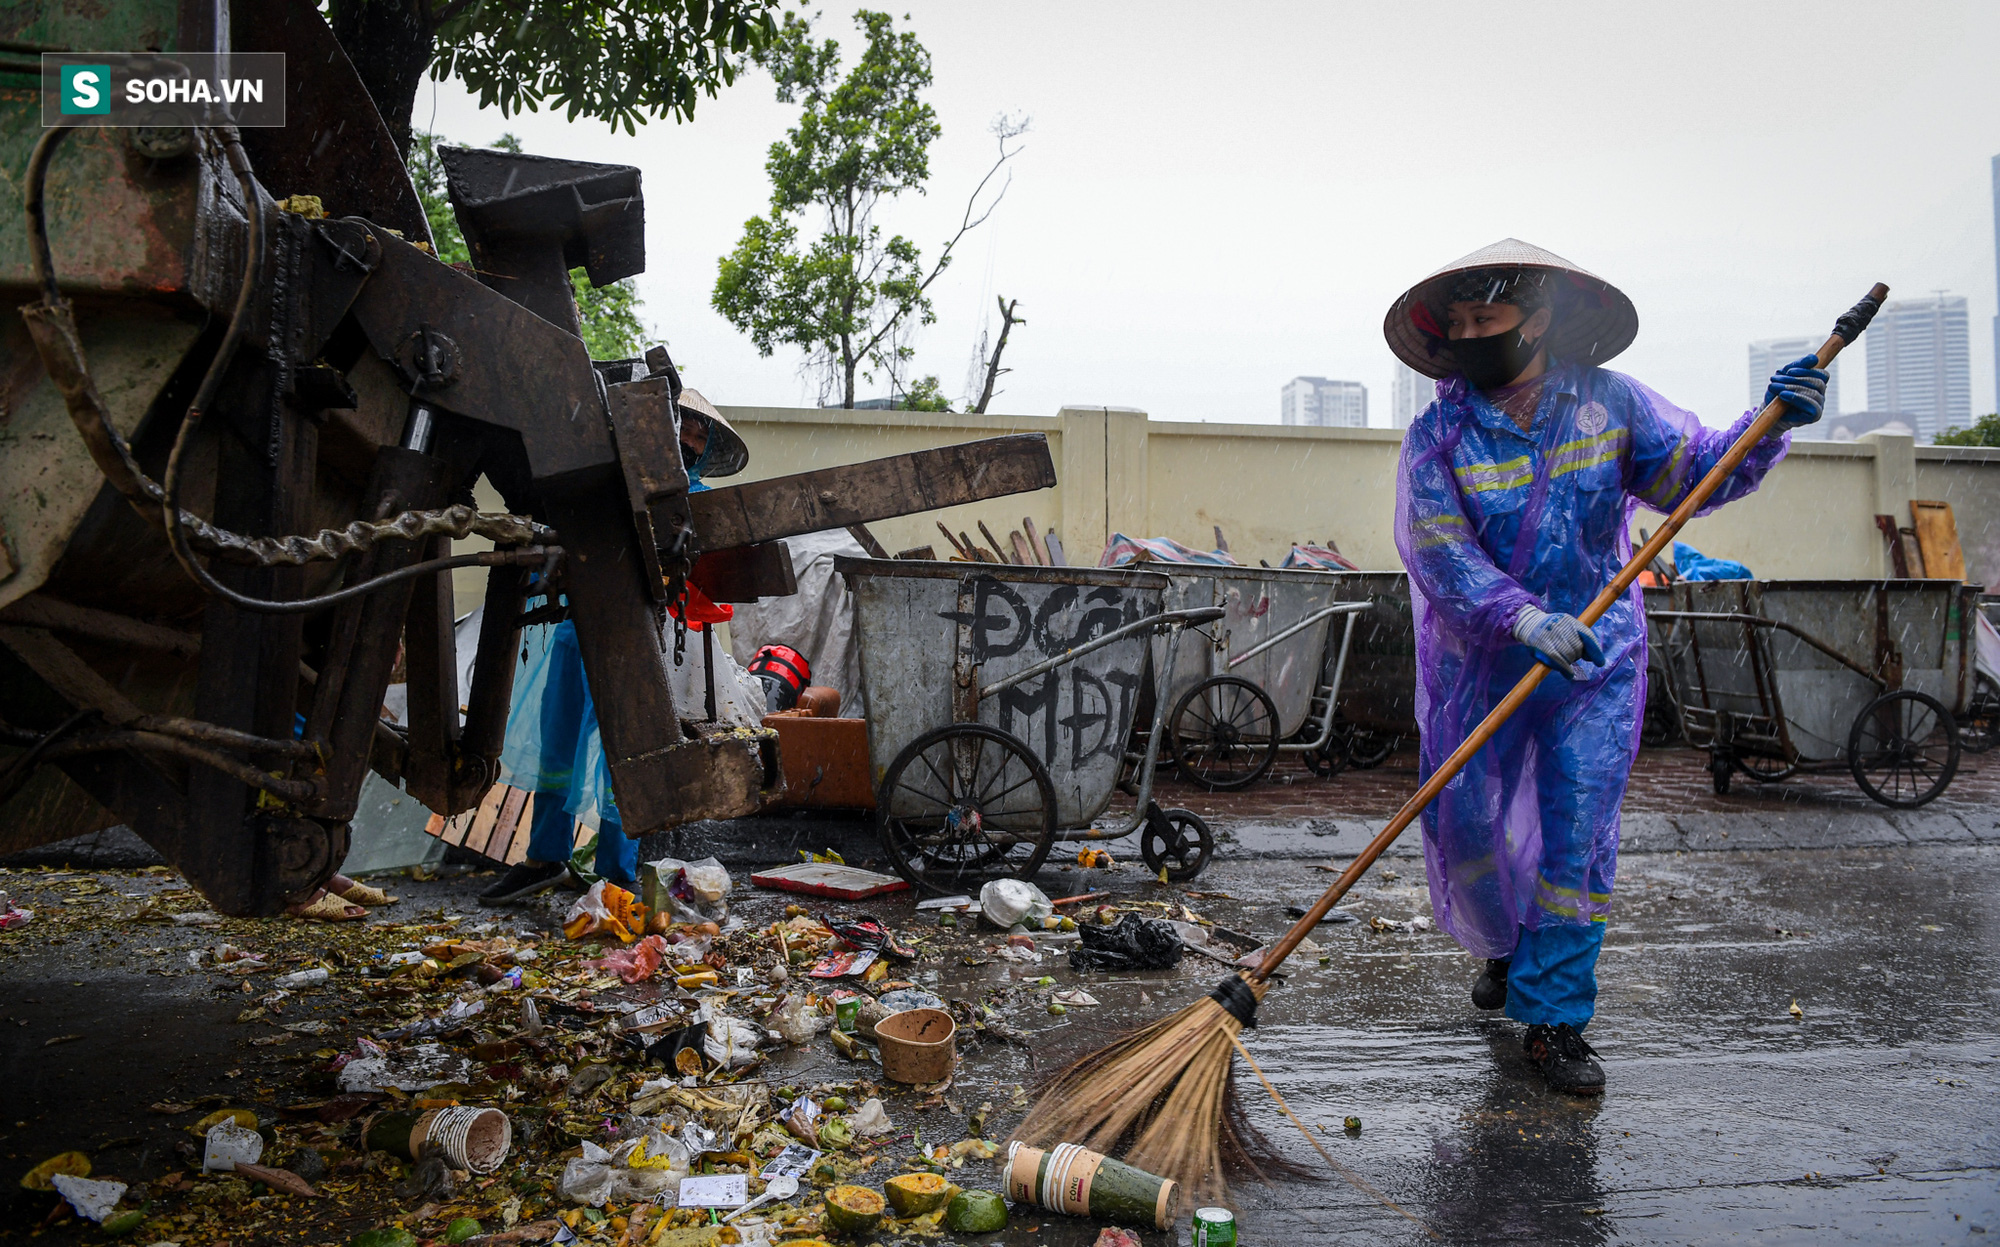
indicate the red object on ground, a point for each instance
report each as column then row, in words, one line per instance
column 841, row 883
column 637, row 963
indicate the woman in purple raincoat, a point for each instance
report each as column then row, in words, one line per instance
column 1513, row 510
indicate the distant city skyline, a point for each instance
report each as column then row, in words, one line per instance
column 1767, row 355
column 1322, row 403
column 1920, row 363
column 1414, row 391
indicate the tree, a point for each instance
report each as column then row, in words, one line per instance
column 1985, row 431
column 850, row 298
column 609, row 315
column 925, row 395
column 619, row 61
column 992, row 363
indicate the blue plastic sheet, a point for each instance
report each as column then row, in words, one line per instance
column 1692, row 564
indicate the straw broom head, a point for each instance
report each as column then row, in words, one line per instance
column 1167, row 1089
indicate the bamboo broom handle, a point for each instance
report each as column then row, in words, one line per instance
column 1845, row 330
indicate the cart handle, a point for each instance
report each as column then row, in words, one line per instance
column 1169, row 619
column 1758, row 621
column 1338, row 608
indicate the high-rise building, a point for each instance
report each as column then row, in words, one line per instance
column 1920, row 363
column 1414, row 392
column 1323, row 403
column 1767, row 355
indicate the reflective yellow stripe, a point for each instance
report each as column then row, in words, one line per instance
column 1668, row 483
column 1572, row 893
column 1441, row 530
column 1481, row 477
column 1606, row 447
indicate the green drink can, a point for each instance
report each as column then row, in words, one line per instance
column 1214, row 1227
column 846, row 1013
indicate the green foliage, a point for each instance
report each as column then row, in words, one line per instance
column 609, row 314
column 427, row 174
column 621, row 61
column 850, row 297
column 1985, row 431
column 925, row 396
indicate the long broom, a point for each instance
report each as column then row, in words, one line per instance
column 1166, row 1087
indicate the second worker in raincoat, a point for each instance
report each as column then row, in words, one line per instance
column 1518, row 486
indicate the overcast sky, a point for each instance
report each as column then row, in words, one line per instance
column 1217, row 198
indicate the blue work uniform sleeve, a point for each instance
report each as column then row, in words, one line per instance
column 1447, row 564
column 1672, row 451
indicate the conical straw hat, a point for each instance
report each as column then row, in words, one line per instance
column 1594, row 319
column 728, row 455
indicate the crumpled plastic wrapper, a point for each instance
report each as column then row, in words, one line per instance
column 412, row 1069
column 871, row 1119
column 798, row 1021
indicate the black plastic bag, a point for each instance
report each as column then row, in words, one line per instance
column 1135, row 943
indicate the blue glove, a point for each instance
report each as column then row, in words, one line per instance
column 1803, row 387
column 1558, row 640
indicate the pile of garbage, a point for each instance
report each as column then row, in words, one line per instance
column 612, row 1075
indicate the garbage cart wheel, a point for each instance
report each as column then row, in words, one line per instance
column 1364, row 750
column 1326, row 761
column 1225, row 733
column 1177, row 840
column 1765, row 770
column 1719, row 767
column 963, row 804
column 1979, row 726
column 1903, row 749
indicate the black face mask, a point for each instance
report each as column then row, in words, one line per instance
column 1491, row 362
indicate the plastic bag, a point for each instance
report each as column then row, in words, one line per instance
column 606, row 909
column 688, row 891
column 1011, row 902
column 870, row 1119
column 798, row 1021
column 910, row 998
column 599, row 1177
column 1135, row 943
column 730, row 1042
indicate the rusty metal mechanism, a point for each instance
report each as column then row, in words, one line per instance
column 201, row 378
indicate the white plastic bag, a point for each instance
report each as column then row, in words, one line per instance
column 598, row 1177
column 870, row 1119
column 1011, row 902
column 798, row 1021
column 731, row 1042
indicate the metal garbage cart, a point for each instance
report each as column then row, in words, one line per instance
column 1264, row 680
column 1000, row 698
column 1780, row 677
column 1375, row 709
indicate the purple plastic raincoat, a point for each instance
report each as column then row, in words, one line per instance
column 1489, row 520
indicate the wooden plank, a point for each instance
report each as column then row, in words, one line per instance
column 1023, row 552
column 926, row 553
column 1035, row 552
column 861, row 534
column 880, row 489
column 746, row 573
column 1937, row 539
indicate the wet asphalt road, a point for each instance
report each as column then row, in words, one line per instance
column 1875, row 1117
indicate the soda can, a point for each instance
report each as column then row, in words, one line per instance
column 846, row 1013
column 1214, row 1227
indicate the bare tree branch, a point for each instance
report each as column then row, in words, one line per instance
column 993, row 369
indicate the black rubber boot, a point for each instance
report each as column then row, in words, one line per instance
column 1564, row 1059
column 1489, row 990
column 523, row 880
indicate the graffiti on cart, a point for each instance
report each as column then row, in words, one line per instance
column 1076, row 712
